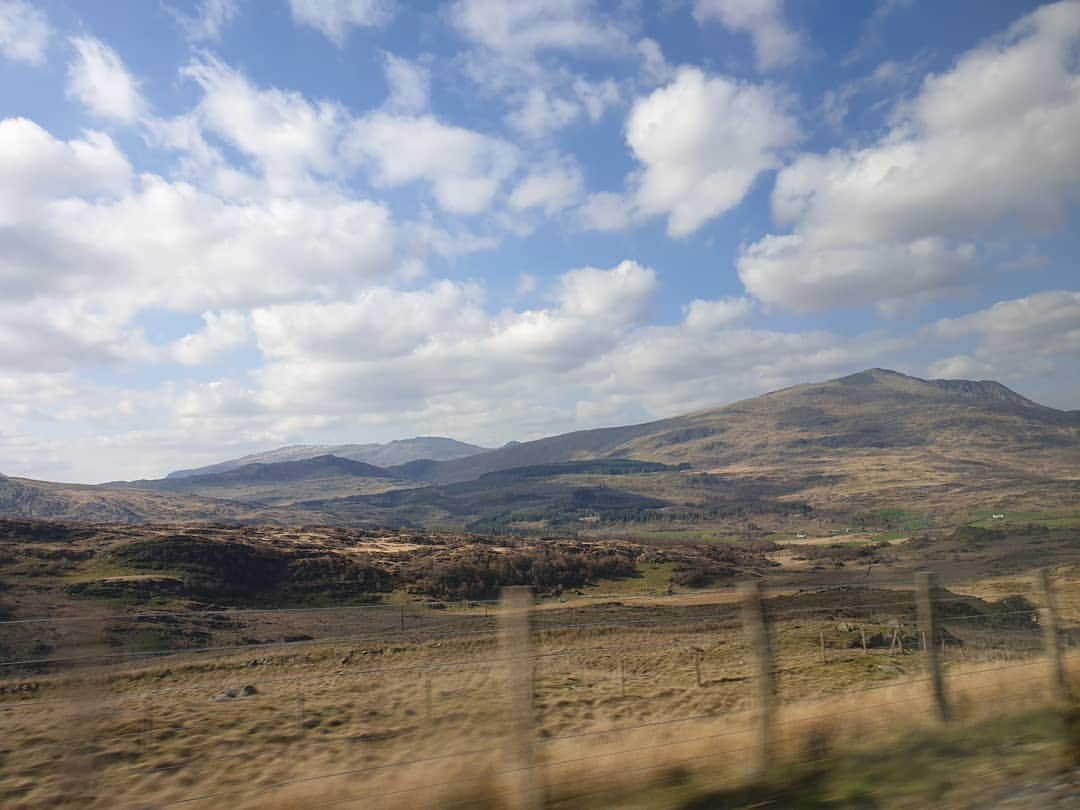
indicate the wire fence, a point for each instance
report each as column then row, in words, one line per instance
column 391, row 705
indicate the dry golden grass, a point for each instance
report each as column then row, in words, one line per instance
column 418, row 718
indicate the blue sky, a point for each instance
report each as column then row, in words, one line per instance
column 227, row 225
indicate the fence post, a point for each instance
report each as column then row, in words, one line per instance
column 514, row 645
column 924, row 586
column 148, row 723
column 1059, row 683
column 862, row 632
column 757, row 633
column 824, row 659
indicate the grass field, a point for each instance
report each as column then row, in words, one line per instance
column 643, row 694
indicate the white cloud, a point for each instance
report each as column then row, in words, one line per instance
column 1044, row 322
column 1024, row 340
column 988, row 147
column 24, row 32
column 802, row 275
column 385, row 351
column 701, row 141
column 410, row 85
column 36, row 167
column 596, row 97
column 702, row 315
column 654, row 66
column 465, row 168
column 100, row 81
column 85, row 245
column 334, row 18
column 552, row 188
column 620, row 294
column 288, row 136
column 775, row 43
column 209, row 20
column 607, row 211
column 522, row 29
column 542, row 113
column 221, row 331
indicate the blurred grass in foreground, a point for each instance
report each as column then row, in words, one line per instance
column 1023, row 760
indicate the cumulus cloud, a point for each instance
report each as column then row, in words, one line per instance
column 552, row 188
column 464, row 168
column 221, row 331
column 384, row 349
column 24, row 32
column 85, row 245
column 35, row 167
column 987, row 146
column 288, row 136
column 775, row 43
column 701, row 142
column 335, row 18
column 99, row 80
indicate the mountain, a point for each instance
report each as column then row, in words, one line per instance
column 400, row 451
column 279, row 483
column 834, row 452
column 871, row 411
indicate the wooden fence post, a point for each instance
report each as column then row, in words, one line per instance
column 148, row 723
column 1059, row 682
column 515, row 646
column 862, row 632
column 822, row 640
column 924, row 586
column 757, row 633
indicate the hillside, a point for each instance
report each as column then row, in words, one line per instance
column 837, row 453
column 44, row 500
column 871, row 411
column 281, row 483
column 400, row 451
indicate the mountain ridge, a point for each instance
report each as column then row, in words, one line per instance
column 387, row 454
column 868, row 440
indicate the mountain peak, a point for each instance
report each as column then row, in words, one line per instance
column 989, row 391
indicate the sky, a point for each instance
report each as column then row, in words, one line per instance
column 229, row 225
